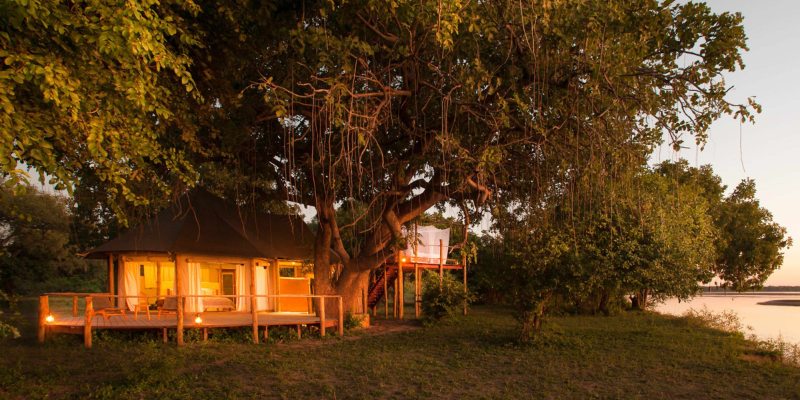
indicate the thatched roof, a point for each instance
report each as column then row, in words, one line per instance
column 203, row 224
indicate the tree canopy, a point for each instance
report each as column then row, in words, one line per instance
column 751, row 244
column 395, row 106
column 98, row 88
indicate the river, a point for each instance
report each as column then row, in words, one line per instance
column 766, row 321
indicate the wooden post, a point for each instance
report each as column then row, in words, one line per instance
column 44, row 311
column 322, row 316
column 164, row 334
column 400, row 296
column 385, row 292
column 417, row 298
column 394, row 298
column 205, row 334
column 111, row 277
column 464, row 266
column 179, row 327
column 180, row 266
column 266, row 332
column 341, row 317
column 299, row 331
column 441, row 261
column 87, row 323
column 158, row 280
column 253, row 300
column 74, row 306
column 276, row 276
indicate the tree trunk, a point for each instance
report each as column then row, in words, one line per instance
column 603, row 304
column 349, row 286
column 639, row 300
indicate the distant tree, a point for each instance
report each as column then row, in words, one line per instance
column 37, row 254
column 675, row 241
column 751, row 244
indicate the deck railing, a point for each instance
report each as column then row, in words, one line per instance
column 46, row 317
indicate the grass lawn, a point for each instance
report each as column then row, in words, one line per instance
column 632, row 355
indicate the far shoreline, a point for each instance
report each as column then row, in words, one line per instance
column 784, row 303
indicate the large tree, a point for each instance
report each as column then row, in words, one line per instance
column 398, row 106
column 405, row 105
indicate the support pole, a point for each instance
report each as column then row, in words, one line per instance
column 74, row 306
column 158, row 280
column 266, row 332
column 416, row 274
column 165, row 338
column 179, row 327
column 111, row 275
column 180, row 267
column 385, row 292
column 401, row 302
column 341, row 317
column 253, row 300
column 394, row 297
column 441, row 261
column 322, row 316
column 44, row 311
column 276, row 276
column 464, row 266
column 417, row 297
column 87, row 323
column 205, row 334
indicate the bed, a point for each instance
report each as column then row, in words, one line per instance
column 218, row 303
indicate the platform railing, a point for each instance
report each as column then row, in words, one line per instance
column 47, row 318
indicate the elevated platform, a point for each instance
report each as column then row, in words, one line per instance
column 210, row 320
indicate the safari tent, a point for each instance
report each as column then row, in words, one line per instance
column 222, row 253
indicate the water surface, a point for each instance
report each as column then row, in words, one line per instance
column 766, row 321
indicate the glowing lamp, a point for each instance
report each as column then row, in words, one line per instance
column 403, row 259
column 198, row 319
column 49, row 319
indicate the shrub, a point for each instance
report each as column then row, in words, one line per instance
column 352, row 321
column 443, row 300
column 729, row 321
column 8, row 332
column 9, row 303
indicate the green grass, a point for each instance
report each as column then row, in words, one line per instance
column 633, row 355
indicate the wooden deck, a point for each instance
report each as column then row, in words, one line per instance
column 64, row 324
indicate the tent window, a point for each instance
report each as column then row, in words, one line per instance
column 287, row 272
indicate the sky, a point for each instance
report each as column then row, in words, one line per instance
column 770, row 148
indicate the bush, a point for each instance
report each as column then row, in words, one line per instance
column 443, row 300
column 728, row 321
column 8, row 303
column 352, row 321
column 8, row 332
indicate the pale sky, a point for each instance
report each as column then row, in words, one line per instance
column 770, row 149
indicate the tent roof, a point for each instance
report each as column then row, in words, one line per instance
column 203, row 224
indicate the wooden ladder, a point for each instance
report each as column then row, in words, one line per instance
column 376, row 288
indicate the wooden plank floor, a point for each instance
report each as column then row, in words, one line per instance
column 210, row 320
